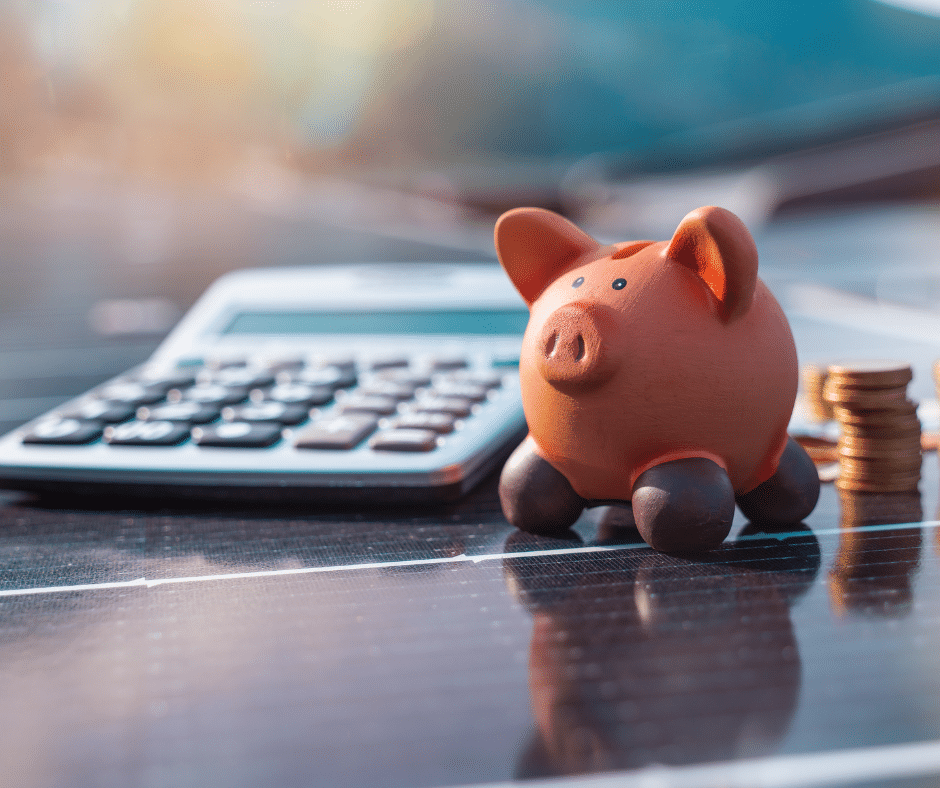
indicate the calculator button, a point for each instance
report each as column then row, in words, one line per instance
column 442, row 363
column 210, row 394
column 491, row 380
column 241, row 376
column 356, row 403
column 404, row 440
column 338, row 433
column 103, row 411
column 387, row 362
column 173, row 379
column 406, row 376
column 266, row 411
column 471, row 391
column 63, row 432
column 283, row 364
column 238, row 434
column 187, row 412
column 387, row 388
column 441, row 423
column 226, row 362
column 294, row 394
column 333, row 376
column 456, row 406
column 147, row 433
column 131, row 393
column 344, row 361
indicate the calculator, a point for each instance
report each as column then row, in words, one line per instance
column 379, row 383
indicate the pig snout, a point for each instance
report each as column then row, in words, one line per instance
column 572, row 354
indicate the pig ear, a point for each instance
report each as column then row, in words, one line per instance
column 535, row 246
column 715, row 244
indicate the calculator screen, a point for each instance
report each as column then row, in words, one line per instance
column 469, row 321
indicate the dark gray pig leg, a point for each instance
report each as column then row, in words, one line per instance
column 535, row 496
column 789, row 495
column 683, row 506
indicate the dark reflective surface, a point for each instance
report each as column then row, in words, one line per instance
column 873, row 570
column 442, row 648
column 661, row 660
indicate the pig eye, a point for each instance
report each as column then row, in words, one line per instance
column 578, row 282
column 619, row 284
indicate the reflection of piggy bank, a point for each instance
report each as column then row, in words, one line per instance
column 658, row 373
column 639, row 658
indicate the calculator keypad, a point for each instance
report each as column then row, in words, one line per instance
column 63, row 432
column 294, row 394
column 399, row 404
column 337, row 433
column 442, row 363
column 335, row 377
column 487, row 378
column 103, row 411
column 406, row 376
column 441, row 423
column 390, row 389
column 147, row 433
column 211, row 394
column 365, row 403
column 474, row 392
column 187, row 412
column 270, row 411
column 455, row 406
column 178, row 379
column 131, row 393
column 244, row 377
column 388, row 362
column 238, row 434
column 404, row 440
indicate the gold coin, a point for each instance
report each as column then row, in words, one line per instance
column 864, row 399
column 872, row 471
column 892, row 486
column 814, row 378
column 859, row 466
column 901, row 441
column 902, row 481
column 877, row 456
column 855, row 466
column 850, row 444
column 854, row 433
column 900, row 419
column 871, row 373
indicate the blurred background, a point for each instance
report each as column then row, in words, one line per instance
column 148, row 146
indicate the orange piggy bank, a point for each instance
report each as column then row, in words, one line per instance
column 659, row 374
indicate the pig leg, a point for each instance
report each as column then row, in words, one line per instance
column 535, row 496
column 789, row 495
column 683, row 506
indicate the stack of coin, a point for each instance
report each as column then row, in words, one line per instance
column 814, row 380
column 879, row 445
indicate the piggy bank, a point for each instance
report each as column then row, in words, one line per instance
column 660, row 375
